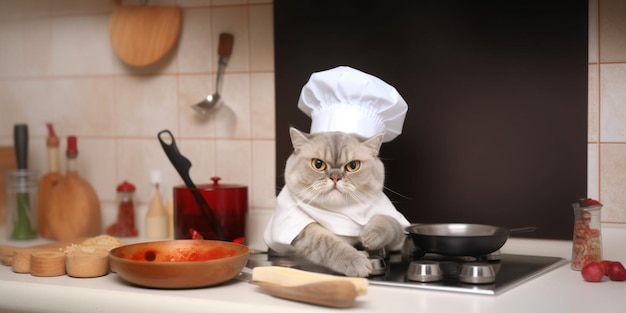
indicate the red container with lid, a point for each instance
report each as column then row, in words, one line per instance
column 229, row 204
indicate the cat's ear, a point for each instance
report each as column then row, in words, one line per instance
column 375, row 142
column 298, row 138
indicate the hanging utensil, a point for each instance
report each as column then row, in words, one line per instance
column 224, row 50
column 142, row 35
column 182, row 166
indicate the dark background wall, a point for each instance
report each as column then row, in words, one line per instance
column 496, row 131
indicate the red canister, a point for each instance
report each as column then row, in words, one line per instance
column 229, row 204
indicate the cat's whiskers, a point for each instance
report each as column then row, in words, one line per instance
column 397, row 193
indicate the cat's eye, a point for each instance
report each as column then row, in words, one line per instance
column 318, row 165
column 353, row 166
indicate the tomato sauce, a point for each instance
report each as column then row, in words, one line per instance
column 183, row 255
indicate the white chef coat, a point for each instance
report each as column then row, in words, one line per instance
column 292, row 216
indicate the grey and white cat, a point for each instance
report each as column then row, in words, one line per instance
column 337, row 179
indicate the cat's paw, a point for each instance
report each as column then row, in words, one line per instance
column 374, row 238
column 381, row 231
column 354, row 264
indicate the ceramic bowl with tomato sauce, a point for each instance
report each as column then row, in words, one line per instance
column 177, row 264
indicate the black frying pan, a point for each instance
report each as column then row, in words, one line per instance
column 461, row 239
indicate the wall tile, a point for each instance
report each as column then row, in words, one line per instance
column 137, row 159
column 193, row 89
column 232, row 19
column 612, row 30
column 262, row 100
column 19, row 9
column 263, row 190
column 145, row 105
column 195, row 49
column 593, row 183
column 593, row 31
column 96, row 165
column 232, row 120
column 261, row 38
column 613, row 182
column 612, row 97
column 593, row 104
column 80, row 46
column 233, row 161
column 25, row 47
column 75, row 7
column 193, row 3
column 203, row 156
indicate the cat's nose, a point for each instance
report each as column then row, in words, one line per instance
column 335, row 179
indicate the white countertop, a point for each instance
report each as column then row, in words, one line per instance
column 561, row 290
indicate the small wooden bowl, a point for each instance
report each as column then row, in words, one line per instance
column 86, row 264
column 175, row 264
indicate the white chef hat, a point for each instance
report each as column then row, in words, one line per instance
column 347, row 100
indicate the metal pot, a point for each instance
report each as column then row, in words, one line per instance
column 457, row 239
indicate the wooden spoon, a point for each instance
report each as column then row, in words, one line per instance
column 332, row 293
column 141, row 35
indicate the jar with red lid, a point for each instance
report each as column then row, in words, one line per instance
column 125, row 224
column 587, row 242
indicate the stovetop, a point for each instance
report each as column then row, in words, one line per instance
column 511, row 270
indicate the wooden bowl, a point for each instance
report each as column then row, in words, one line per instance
column 173, row 264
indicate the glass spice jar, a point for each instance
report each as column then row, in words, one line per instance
column 125, row 224
column 587, row 242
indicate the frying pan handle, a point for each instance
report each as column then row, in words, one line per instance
column 522, row 230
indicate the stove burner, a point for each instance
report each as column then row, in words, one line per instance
column 424, row 271
column 477, row 273
column 378, row 266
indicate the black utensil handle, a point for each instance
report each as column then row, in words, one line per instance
column 20, row 139
column 181, row 163
column 182, row 166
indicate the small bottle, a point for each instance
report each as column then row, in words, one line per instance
column 587, row 242
column 125, row 224
column 157, row 222
column 47, row 182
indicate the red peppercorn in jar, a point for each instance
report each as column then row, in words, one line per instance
column 587, row 242
column 125, row 224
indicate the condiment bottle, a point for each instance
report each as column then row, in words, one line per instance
column 157, row 221
column 125, row 224
column 74, row 208
column 47, row 182
column 587, row 243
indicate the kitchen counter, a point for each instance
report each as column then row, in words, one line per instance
column 561, row 290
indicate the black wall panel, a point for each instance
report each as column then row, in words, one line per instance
column 496, row 131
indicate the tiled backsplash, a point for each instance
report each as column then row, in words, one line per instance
column 607, row 107
column 57, row 65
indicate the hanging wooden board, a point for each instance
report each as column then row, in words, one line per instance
column 142, row 35
column 7, row 162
